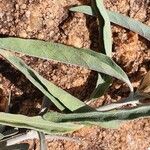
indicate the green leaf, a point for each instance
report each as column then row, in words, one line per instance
column 105, row 33
column 105, row 124
column 58, row 96
column 66, row 54
column 121, row 115
column 84, row 9
column 105, row 44
column 103, row 84
column 119, row 19
column 133, row 99
column 37, row 123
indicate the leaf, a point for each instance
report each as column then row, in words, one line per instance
column 10, row 133
column 104, row 26
column 42, row 140
column 115, row 124
column 121, row 115
column 105, row 44
column 120, row 20
column 52, row 123
column 22, row 146
column 103, row 84
column 37, row 123
column 18, row 63
column 1, row 136
column 66, row 54
column 2, row 128
column 84, row 9
column 58, row 96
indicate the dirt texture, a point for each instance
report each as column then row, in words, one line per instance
column 50, row 20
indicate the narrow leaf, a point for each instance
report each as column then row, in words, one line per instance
column 119, row 19
column 66, row 54
column 1, row 136
column 42, row 140
column 104, row 26
column 115, row 124
column 54, row 93
column 10, row 133
column 126, row 114
column 105, row 44
column 37, row 123
column 103, row 84
column 22, row 146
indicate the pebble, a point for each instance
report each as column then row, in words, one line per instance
column 28, row 13
column 23, row 34
column 23, row 6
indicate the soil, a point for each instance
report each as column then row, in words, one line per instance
column 51, row 21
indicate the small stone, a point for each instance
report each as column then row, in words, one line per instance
column 1, row 14
column 23, row 34
column 40, row 36
column 51, row 33
column 17, row 7
column 75, row 41
column 28, row 13
column 23, row 6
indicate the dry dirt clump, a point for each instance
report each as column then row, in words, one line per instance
column 50, row 20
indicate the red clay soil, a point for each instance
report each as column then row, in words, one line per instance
column 51, row 21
